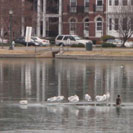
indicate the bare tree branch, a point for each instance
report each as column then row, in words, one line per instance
column 125, row 21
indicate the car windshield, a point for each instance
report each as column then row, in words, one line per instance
column 77, row 38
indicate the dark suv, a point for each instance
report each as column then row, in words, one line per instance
column 21, row 40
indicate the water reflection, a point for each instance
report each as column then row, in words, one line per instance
column 69, row 118
column 118, row 110
column 37, row 80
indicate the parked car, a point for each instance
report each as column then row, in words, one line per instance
column 21, row 40
column 129, row 44
column 116, row 42
column 42, row 42
column 70, row 40
column 2, row 40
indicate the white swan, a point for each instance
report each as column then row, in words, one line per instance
column 87, row 97
column 59, row 98
column 103, row 97
column 121, row 66
column 74, row 98
column 51, row 99
column 108, row 95
column 24, row 102
column 99, row 98
column 55, row 99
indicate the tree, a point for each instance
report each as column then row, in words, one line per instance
column 123, row 21
column 21, row 9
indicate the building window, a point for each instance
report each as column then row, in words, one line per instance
column 110, row 24
column 124, row 25
column 73, row 3
column 110, row 2
column 86, row 27
column 99, row 2
column 72, row 26
column 124, row 2
column 86, row 5
column 131, row 2
column 99, row 6
column 86, row 24
column 116, row 2
column 116, row 21
column 73, row 6
column 131, row 24
column 99, row 24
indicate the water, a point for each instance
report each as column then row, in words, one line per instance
column 37, row 80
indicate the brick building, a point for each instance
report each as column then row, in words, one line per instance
column 85, row 18
column 15, row 15
column 49, row 18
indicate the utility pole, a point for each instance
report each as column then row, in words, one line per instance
column 10, row 35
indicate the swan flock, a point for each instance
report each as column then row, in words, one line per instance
column 75, row 98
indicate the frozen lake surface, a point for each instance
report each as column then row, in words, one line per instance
column 36, row 80
column 37, row 118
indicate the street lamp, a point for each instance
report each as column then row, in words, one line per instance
column 10, row 30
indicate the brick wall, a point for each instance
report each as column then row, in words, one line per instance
column 80, row 17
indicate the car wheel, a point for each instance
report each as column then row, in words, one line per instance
column 61, row 44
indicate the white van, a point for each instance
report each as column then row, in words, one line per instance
column 68, row 40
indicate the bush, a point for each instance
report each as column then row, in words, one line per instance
column 4, row 44
column 78, row 45
column 52, row 40
column 19, row 45
column 107, row 37
column 94, row 41
column 106, row 45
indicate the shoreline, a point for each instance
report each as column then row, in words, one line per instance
column 89, row 57
column 98, row 54
column 72, row 53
